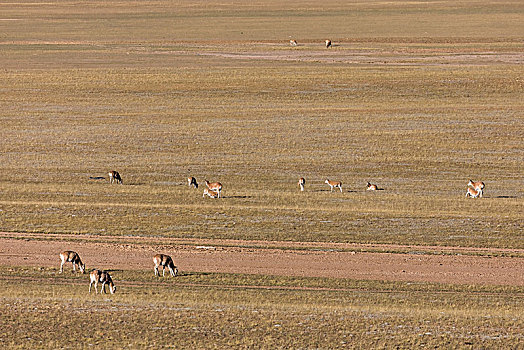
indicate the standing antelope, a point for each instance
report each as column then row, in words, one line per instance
column 478, row 185
column 72, row 257
column 293, row 42
column 191, row 181
column 371, row 187
column 328, row 43
column 215, row 186
column 210, row 193
column 301, row 183
column 164, row 260
column 473, row 193
column 334, row 184
column 101, row 276
column 114, row 176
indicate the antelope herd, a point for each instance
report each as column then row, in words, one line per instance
column 102, row 276
column 475, row 189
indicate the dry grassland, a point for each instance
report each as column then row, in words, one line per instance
column 417, row 97
column 224, row 310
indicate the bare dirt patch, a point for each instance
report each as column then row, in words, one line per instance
column 212, row 256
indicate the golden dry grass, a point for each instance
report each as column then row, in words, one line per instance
column 224, row 310
column 417, row 97
column 417, row 112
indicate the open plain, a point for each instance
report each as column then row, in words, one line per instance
column 416, row 97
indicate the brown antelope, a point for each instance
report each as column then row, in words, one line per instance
column 101, row 276
column 293, row 42
column 371, row 187
column 334, row 184
column 164, row 260
column 72, row 257
column 473, row 193
column 215, row 186
column 210, row 193
column 478, row 185
column 301, row 183
column 328, row 43
column 191, row 181
column 114, row 176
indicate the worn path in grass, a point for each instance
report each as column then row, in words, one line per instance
column 397, row 263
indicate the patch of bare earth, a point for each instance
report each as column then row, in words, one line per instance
column 134, row 253
column 376, row 58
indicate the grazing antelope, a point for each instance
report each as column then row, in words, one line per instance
column 334, row 184
column 328, row 44
column 371, row 187
column 164, row 260
column 301, row 183
column 478, row 185
column 215, row 186
column 191, row 181
column 473, row 193
column 293, row 42
column 210, row 193
column 72, row 257
column 101, row 276
column 114, row 176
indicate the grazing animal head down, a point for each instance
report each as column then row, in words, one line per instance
column 115, row 176
column 478, row 186
column 210, row 193
column 473, row 193
column 191, row 181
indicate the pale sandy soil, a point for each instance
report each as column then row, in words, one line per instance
column 406, row 263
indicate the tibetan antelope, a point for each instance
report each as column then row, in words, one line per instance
column 114, row 176
column 328, row 43
column 473, row 193
column 334, row 184
column 215, row 186
column 371, row 187
column 72, row 257
column 101, row 276
column 191, row 181
column 293, row 42
column 164, row 260
column 301, row 183
column 478, row 185
column 210, row 193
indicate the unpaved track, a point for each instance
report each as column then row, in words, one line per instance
column 260, row 257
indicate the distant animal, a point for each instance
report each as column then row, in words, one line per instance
column 478, row 185
column 293, row 42
column 301, row 183
column 191, row 181
column 210, row 193
column 334, row 184
column 328, row 43
column 371, row 187
column 215, row 186
column 101, row 276
column 473, row 193
column 72, row 257
column 164, row 261
column 115, row 176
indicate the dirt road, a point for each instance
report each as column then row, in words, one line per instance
column 313, row 259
